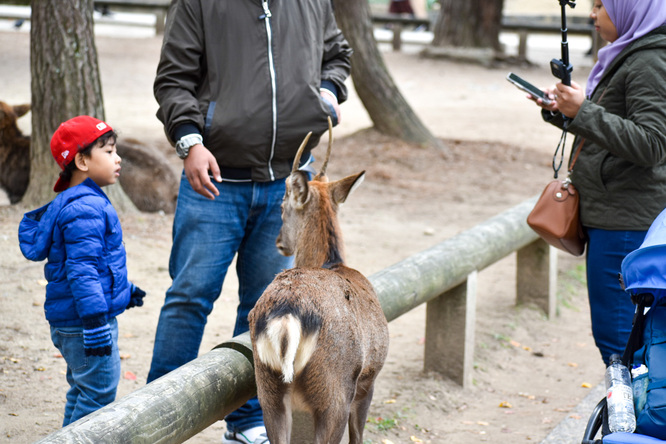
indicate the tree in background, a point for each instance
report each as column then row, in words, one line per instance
column 469, row 24
column 65, row 82
column 387, row 108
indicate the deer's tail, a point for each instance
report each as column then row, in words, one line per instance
column 286, row 346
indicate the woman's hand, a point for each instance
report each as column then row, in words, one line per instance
column 569, row 98
column 550, row 93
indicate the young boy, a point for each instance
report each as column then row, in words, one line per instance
column 80, row 236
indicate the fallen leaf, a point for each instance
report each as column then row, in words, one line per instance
column 389, row 401
column 482, row 423
column 415, row 439
column 387, row 441
column 586, row 385
column 40, row 369
column 129, row 375
column 514, row 343
column 505, row 405
column 572, row 364
column 57, row 355
column 125, row 356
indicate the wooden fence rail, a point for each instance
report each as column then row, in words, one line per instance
column 184, row 402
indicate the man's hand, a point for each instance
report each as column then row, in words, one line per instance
column 197, row 164
column 330, row 98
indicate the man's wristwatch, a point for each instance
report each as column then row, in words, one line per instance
column 185, row 143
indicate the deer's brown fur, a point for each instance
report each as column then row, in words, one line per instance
column 319, row 334
column 14, row 152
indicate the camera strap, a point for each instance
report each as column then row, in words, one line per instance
column 560, row 149
column 562, row 143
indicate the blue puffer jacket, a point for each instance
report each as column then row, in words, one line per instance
column 79, row 233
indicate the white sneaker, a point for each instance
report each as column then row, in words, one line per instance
column 255, row 435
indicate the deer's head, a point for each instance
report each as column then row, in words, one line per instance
column 310, row 228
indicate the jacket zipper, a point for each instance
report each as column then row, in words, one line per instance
column 271, row 68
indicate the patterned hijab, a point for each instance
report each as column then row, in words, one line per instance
column 632, row 19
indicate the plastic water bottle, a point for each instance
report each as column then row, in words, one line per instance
column 619, row 397
column 639, row 382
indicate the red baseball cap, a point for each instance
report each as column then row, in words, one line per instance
column 70, row 137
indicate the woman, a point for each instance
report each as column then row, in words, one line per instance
column 621, row 170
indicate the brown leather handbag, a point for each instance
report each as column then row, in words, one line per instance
column 555, row 216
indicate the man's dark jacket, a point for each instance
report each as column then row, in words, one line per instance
column 247, row 75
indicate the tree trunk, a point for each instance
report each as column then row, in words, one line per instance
column 389, row 111
column 469, row 24
column 65, row 84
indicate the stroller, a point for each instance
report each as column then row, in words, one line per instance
column 644, row 277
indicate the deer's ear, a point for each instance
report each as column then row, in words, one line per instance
column 298, row 187
column 342, row 188
column 21, row 110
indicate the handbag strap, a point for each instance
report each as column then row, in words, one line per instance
column 574, row 155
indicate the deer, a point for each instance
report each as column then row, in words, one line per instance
column 319, row 334
column 14, row 152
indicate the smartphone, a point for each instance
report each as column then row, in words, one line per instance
column 528, row 88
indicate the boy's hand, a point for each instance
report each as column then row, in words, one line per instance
column 136, row 298
column 97, row 339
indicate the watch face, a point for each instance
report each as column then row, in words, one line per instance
column 182, row 152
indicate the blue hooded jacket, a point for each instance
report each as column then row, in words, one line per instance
column 79, row 233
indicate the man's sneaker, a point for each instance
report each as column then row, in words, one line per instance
column 255, row 435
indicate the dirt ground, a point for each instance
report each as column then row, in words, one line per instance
column 529, row 371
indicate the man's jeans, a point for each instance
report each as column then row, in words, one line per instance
column 611, row 308
column 245, row 219
column 93, row 380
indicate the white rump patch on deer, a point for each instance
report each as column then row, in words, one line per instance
column 283, row 347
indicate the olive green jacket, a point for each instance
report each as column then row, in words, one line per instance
column 621, row 170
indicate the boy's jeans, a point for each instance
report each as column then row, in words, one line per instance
column 93, row 380
column 245, row 219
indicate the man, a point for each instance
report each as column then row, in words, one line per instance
column 239, row 84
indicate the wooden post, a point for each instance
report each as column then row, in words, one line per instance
column 449, row 338
column 536, row 276
column 160, row 20
column 397, row 36
column 522, row 45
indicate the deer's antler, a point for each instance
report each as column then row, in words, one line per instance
column 299, row 153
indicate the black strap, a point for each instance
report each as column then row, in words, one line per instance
column 635, row 341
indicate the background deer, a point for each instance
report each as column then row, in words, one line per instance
column 14, row 152
column 319, row 335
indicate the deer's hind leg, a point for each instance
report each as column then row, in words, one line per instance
column 275, row 400
column 359, row 413
column 330, row 424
